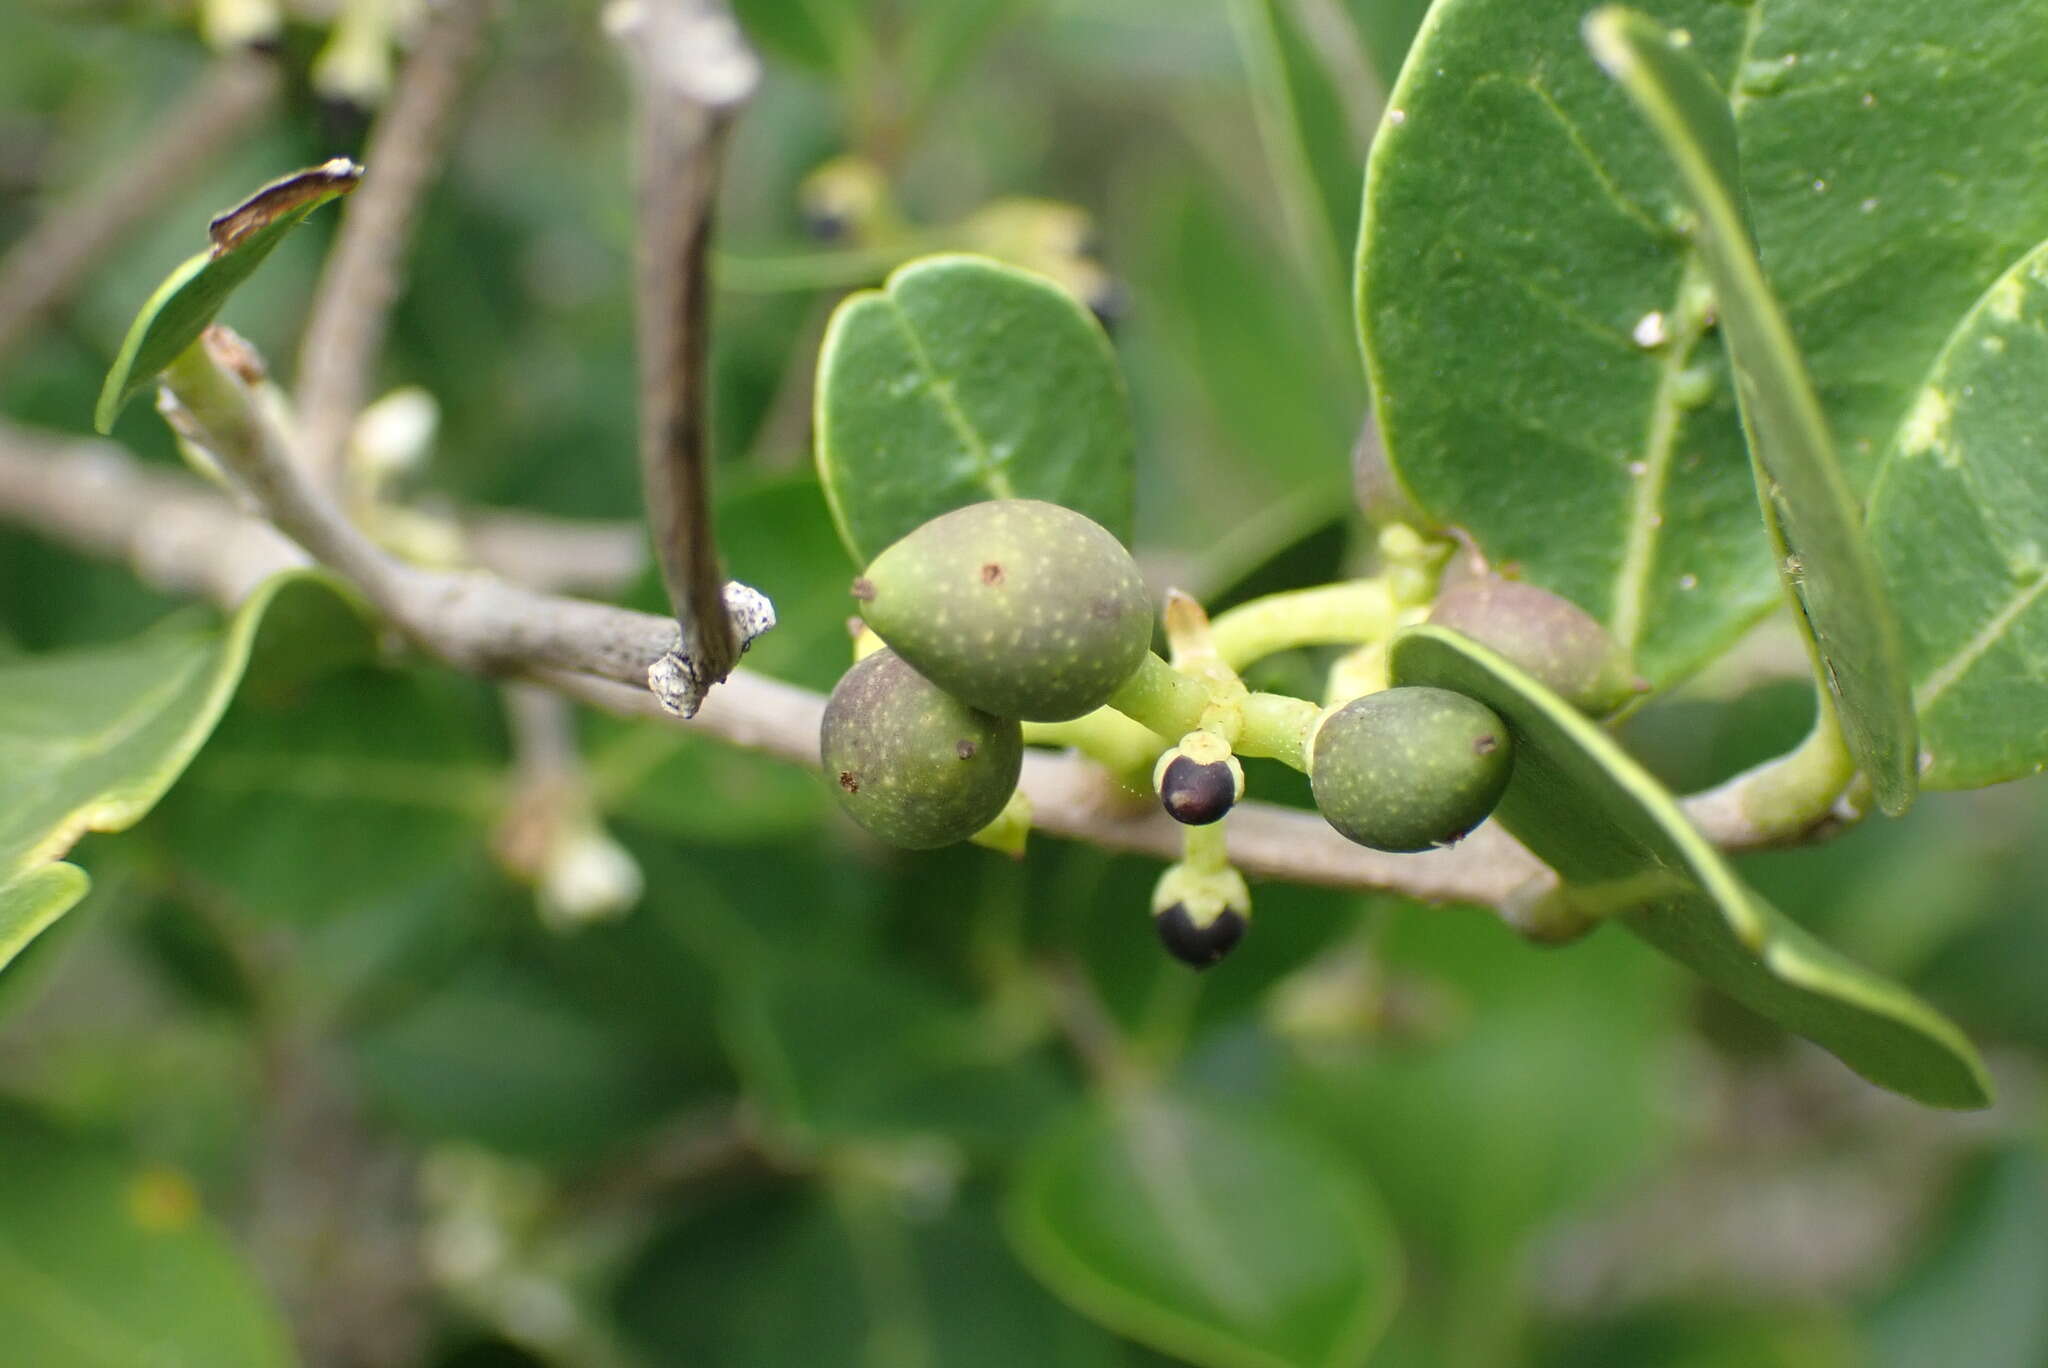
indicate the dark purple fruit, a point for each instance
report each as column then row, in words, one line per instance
column 1198, row 780
column 1200, row 943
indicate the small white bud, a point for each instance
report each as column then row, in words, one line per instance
column 587, row 877
column 394, row 434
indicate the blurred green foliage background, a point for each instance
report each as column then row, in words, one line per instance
column 801, row 1105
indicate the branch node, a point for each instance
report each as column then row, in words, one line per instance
column 679, row 679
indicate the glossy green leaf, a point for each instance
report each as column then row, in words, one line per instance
column 1590, row 812
column 964, row 380
column 90, row 739
column 1532, row 313
column 1959, row 516
column 173, row 317
column 109, row 1263
column 1813, row 518
column 1208, row 1232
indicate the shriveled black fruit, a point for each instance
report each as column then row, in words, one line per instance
column 1198, row 780
column 1021, row 608
column 1552, row 639
column 1196, row 942
column 911, row 763
column 1409, row 768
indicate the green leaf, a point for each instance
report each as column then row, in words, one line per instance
column 1299, row 96
column 29, row 903
column 1386, row 27
column 1522, row 227
column 1591, row 813
column 785, row 1278
column 824, row 35
column 108, row 1263
column 964, row 380
column 1576, row 1047
column 1208, row 1232
column 1813, row 518
column 941, row 41
column 502, row 1058
column 1959, row 515
column 300, row 811
column 190, row 297
column 90, row 739
column 834, row 1048
column 1237, row 365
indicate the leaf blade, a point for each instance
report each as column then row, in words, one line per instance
column 192, row 295
column 1590, row 812
column 1824, row 558
column 1522, row 224
column 107, row 1261
column 961, row 380
column 1958, row 519
column 91, row 739
column 1206, row 1234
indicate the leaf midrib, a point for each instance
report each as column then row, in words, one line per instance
column 1660, row 437
column 1159, row 1160
column 98, row 809
column 941, row 389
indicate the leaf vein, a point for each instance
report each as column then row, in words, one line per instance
column 1977, row 647
column 1660, row 433
column 941, row 387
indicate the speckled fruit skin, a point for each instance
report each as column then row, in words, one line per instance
column 1023, row 609
column 1410, row 768
column 911, row 763
column 1550, row 638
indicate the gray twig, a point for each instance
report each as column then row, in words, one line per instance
column 694, row 71
column 42, row 269
column 344, row 332
column 92, row 496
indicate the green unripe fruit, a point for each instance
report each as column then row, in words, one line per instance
column 911, row 763
column 1410, row 768
column 1550, row 638
column 1022, row 609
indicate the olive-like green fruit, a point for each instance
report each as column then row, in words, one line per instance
column 910, row 762
column 1409, row 768
column 1020, row 608
column 1550, row 638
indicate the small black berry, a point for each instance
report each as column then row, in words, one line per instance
column 1197, row 794
column 1200, row 945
